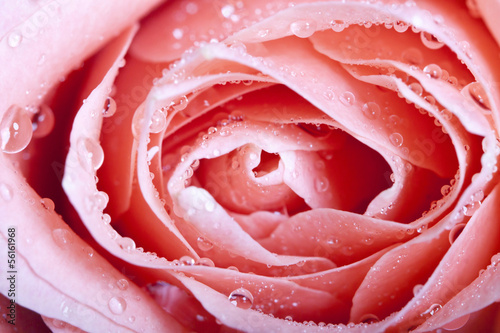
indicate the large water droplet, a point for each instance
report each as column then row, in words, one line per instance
column 90, row 153
column 16, row 130
column 158, row 122
column 347, row 98
column 433, row 71
column 122, row 284
column 117, row 305
column 417, row 288
column 205, row 262
column 477, row 92
column 321, row 184
column 371, row 110
column 430, row 41
column 187, row 261
column 126, row 243
column 43, row 121
column 48, row 204
column 241, row 298
column 62, row 237
column 338, row 25
column 6, row 192
column 400, row 26
column 396, row 139
column 181, row 104
column 303, row 29
column 416, row 88
column 204, row 244
column 109, row 108
column 14, row 39
column 433, row 309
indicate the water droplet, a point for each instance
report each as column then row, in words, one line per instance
column 14, row 39
column 303, row 29
column 187, row 261
column 321, row 184
column 347, row 98
column 109, row 107
column 204, row 244
column 241, row 298
column 126, row 243
column 181, row 104
column 434, row 308
column 416, row 88
column 205, row 262
column 42, row 121
column 48, row 204
column 117, row 305
column 416, row 289
column 455, row 232
column 90, row 153
column 16, row 130
column 227, row 10
column 445, row 189
column 338, row 25
column 433, row 71
column 158, row 122
column 371, row 110
column 225, row 131
column 400, row 26
column 430, row 41
column 62, row 237
column 131, row 319
column 477, row 92
column 471, row 208
column 122, row 284
column 369, row 319
column 98, row 201
column 6, row 192
column 396, row 139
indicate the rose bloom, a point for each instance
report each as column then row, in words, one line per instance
column 224, row 166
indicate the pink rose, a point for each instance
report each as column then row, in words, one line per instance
column 250, row 166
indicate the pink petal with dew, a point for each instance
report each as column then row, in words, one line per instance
column 33, row 67
column 54, row 290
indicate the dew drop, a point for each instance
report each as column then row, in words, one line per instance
column 416, row 289
column 181, row 104
column 187, row 261
column 131, row 319
column 205, row 262
column 14, row 39
column 416, row 88
column 126, row 244
column 42, row 121
column 400, row 26
column 48, row 204
column 369, row 319
column 347, row 98
column 90, row 153
column 434, row 308
column 204, row 244
column 241, row 298
column 321, row 184
column 371, row 110
column 117, row 305
column 455, row 232
column 433, row 71
column 6, row 192
column 303, row 29
column 471, row 208
column 109, row 108
column 225, row 131
column 16, row 130
column 122, row 284
column 430, row 41
column 396, row 139
column 158, row 122
column 62, row 237
column 477, row 93
column 338, row 25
